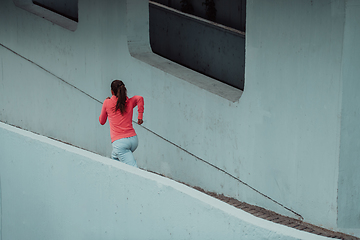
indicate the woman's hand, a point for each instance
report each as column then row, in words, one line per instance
column 140, row 121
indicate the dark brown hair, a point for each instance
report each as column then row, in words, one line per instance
column 119, row 89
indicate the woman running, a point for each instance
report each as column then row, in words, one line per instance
column 119, row 110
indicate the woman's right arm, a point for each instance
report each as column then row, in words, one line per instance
column 103, row 115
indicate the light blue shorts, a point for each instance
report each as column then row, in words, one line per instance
column 123, row 150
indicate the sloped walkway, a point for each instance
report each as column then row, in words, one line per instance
column 261, row 212
column 280, row 219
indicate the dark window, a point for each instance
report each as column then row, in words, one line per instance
column 66, row 8
column 206, row 36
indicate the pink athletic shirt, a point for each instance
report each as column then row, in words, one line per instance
column 121, row 125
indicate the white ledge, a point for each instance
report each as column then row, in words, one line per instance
column 202, row 81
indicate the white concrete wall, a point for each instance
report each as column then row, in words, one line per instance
column 282, row 136
column 293, row 74
column 39, row 101
column 50, row 190
column 349, row 167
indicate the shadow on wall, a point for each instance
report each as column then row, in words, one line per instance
column 66, row 8
column 58, row 12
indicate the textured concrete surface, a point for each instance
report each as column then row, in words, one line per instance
column 280, row 219
column 51, row 190
column 291, row 120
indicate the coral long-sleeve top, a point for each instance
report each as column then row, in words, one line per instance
column 121, row 125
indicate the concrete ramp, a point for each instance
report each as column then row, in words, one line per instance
column 52, row 190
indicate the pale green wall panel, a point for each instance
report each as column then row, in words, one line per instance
column 292, row 82
column 51, row 190
column 349, row 169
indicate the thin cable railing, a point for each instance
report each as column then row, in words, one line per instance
column 161, row 137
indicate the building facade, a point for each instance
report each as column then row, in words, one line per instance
column 288, row 142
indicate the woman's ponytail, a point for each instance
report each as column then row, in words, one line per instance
column 119, row 89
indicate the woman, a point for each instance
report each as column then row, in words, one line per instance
column 119, row 110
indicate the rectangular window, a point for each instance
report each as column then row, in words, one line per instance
column 66, row 8
column 200, row 42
